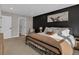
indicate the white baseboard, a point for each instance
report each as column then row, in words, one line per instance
column 24, row 34
column 15, row 36
column 12, row 37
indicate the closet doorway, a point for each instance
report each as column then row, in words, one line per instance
column 7, row 26
column 22, row 26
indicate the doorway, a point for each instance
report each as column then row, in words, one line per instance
column 7, row 26
column 22, row 26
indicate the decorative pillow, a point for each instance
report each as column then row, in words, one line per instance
column 50, row 33
column 66, row 32
column 57, row 29
column 48, row 29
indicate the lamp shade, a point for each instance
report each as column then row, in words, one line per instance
column 41, row 28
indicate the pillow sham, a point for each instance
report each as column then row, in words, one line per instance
column 48, row 30
column 50, row 33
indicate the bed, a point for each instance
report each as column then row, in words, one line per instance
column 47, row 45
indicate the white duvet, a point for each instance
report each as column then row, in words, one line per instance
column 58, row 38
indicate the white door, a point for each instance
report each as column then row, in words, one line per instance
column 22, row 23
column 6, row 26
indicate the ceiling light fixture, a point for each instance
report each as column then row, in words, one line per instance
column 11, row 8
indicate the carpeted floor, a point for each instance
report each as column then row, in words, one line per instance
column 17, row 46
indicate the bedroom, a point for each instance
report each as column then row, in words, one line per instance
column 25, row 19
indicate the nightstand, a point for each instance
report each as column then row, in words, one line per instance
column 77, row 43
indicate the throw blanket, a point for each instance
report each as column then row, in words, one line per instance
column 65, row 34
column 64, row 47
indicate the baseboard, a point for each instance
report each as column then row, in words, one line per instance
column 15, row 36
column 23, row 35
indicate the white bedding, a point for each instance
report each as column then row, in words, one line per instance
column 58, row 38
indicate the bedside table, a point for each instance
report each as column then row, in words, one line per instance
column 77, row 43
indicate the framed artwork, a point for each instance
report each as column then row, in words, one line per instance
column 58, row 17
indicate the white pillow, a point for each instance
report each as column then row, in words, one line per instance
column 65, row 32
column 48, row 29
column 57, row 29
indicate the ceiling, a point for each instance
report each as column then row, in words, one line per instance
column 32, row 9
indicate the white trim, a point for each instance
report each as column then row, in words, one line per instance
column 15, row 36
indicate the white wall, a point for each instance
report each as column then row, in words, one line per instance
column 29, row 23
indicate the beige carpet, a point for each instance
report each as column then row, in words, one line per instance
column 17, row 46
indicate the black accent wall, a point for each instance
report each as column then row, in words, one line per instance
column 73, row 23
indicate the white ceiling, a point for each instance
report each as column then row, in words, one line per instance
column 32, row 9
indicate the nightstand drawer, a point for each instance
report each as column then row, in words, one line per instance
column 77, row 45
